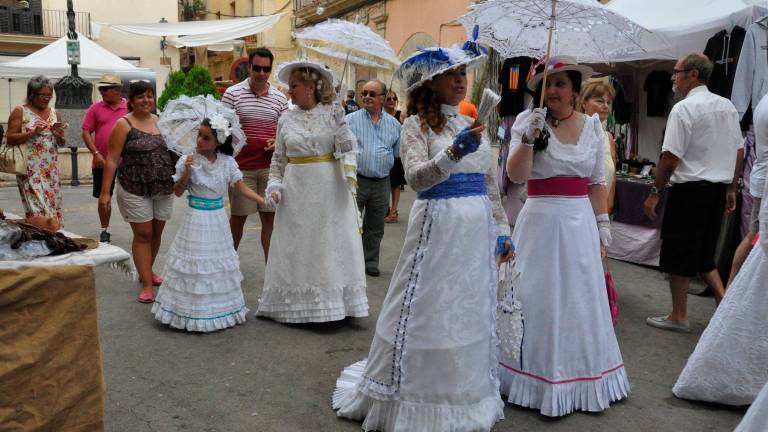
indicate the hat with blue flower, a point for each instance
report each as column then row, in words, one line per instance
column 427, row 63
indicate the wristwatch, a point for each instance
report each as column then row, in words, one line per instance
column 654, row 190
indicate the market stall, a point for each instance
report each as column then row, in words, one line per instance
column 51, row 373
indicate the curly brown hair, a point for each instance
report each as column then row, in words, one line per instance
column 423, row 101
column 325, row 94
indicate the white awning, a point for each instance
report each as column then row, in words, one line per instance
column 201, row 33
column 51, row 61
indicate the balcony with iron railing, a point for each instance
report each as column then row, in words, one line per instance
column 309, row 12
column 45, row 22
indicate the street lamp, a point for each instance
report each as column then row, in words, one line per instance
column 73, row 94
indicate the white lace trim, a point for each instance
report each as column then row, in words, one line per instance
column 584, row 148
column 391, row 415
column 199, row 324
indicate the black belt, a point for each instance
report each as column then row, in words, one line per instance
column 372, row 178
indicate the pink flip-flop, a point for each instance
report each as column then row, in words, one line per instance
column 146, row 297
column 156, row 280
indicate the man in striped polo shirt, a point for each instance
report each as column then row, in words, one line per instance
column 378, row 141
column 259, row 106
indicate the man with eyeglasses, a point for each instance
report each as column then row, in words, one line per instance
column 701, row 158
column 378, row 142
column 259, row 106
column 97, row 125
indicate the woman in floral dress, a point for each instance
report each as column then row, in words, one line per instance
column 38, row 126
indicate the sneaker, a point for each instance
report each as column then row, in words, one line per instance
column 372, row 271
column 663, row 323
column 104, row 237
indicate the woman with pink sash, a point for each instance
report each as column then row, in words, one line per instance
column 570, row 359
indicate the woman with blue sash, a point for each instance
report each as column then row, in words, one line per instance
column 432, row 363
column 201, row 288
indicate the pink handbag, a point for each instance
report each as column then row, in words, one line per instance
column 613, row 298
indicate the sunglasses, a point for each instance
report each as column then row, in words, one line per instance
column 257, row 68
column 390, row 99
column 106, row 89
column 369, row 93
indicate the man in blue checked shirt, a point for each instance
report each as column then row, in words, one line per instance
column 378, row 141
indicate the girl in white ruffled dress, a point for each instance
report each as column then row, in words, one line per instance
column 201, row 289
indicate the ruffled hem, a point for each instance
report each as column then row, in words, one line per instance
column 318, row 312
column 202, row 266
column 399, row 415
column 210, row 284
column 555, row 400
column 203, row 324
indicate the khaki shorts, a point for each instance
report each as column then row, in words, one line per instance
column 139, row 209
column 754, row 216
column 257, row 181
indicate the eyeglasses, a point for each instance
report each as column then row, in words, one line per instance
column 679, row 71
column 106, row 89
column 369, row 93
column 390, row 99
column 44, row 96
column 257, row 68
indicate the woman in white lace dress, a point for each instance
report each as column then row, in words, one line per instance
column 315, row 271
column 432, row 362
column 201, row 289
column 570, row 359
column 730, row 362
column 756, row 418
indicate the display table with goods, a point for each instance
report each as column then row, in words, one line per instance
column 51, row 372
column 636, row 238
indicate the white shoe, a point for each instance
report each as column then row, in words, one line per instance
column 666, row 324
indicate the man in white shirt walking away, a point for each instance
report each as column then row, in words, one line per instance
column 701, row 155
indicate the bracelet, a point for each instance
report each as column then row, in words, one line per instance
column 451, row 155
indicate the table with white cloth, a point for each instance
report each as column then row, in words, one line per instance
column 51, row 372
column 636, row 238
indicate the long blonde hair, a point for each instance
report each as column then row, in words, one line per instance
column 324, row 92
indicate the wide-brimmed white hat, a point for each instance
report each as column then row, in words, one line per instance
column 559, row 64
column 427, row 63
column 109, row 80
column 284, row 70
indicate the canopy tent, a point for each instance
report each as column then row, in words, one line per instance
column 685, row 24
column 51, row 61
column 201, row 33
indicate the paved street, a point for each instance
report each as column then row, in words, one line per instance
column 265, row 376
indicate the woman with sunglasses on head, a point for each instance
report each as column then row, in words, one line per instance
column 315, row 272
column 569, row 359
column 432, row 364
column 396, row 174
column 144, row 168
column 37, row 126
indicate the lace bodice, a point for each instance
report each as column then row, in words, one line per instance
column 318, row 131
column 210, row 179
column 426, row 163
column 584, row 159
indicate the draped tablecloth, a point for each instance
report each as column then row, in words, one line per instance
column 631, row 193
column 51, row 369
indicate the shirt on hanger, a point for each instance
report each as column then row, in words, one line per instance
column 658, row 85
column 723, row 50
column 512, row 78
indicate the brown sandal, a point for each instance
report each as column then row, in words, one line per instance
column 391, row 217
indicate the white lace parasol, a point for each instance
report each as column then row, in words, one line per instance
column 349, row 37
column 584, row 29
column 181, row 119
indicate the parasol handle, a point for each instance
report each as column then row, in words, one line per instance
column 546, row 59
column 344, row 71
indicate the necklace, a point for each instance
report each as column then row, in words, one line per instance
column 556, row 121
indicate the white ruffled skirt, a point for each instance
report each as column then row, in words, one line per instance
column 201, row 288
column 730, row 362
column 432, row 362
column 316, row 269
column 570, row 359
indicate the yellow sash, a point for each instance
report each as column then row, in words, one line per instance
column 311, row 159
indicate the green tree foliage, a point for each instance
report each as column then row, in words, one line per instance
column 199, row 82
column 174, row 87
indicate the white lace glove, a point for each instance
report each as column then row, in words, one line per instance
column 276, row 189
column 604, row 228
column 537, row 121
